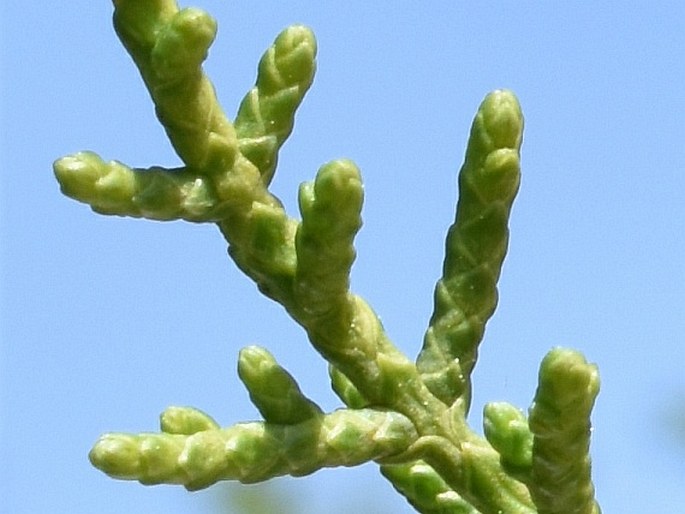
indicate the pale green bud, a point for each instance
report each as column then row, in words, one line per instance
column 181, row 45
column 185, row 420
column 273, row 390
column 506, row 429
column 345, row 389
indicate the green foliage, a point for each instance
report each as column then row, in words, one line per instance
column 408, row 417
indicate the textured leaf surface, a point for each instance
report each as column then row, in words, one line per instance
column 560, row 422
column 466, row 295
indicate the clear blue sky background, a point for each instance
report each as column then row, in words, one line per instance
column 106, row 321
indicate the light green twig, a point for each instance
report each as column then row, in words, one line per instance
column 266, row 115
column 506, row 429
column 560, row 422
column 253, row 452
column 154, row 193
column 466, row 295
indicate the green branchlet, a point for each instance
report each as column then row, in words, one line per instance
column 168, row 47
column 218, row 180
column 425, row 489
column 273, row 390
column 408, row 417
column 253, row 452
column 466, row 295
column 331, row 208
column 506, row 429
column 560, row 423
column 266, row 114
column 154, row 193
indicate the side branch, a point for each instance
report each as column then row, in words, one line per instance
column 466, row 295
column 267, row 113
column 253, row 452
column 560, row 422
column 155, row 193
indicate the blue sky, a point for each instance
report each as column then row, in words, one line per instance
column 106, row 321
